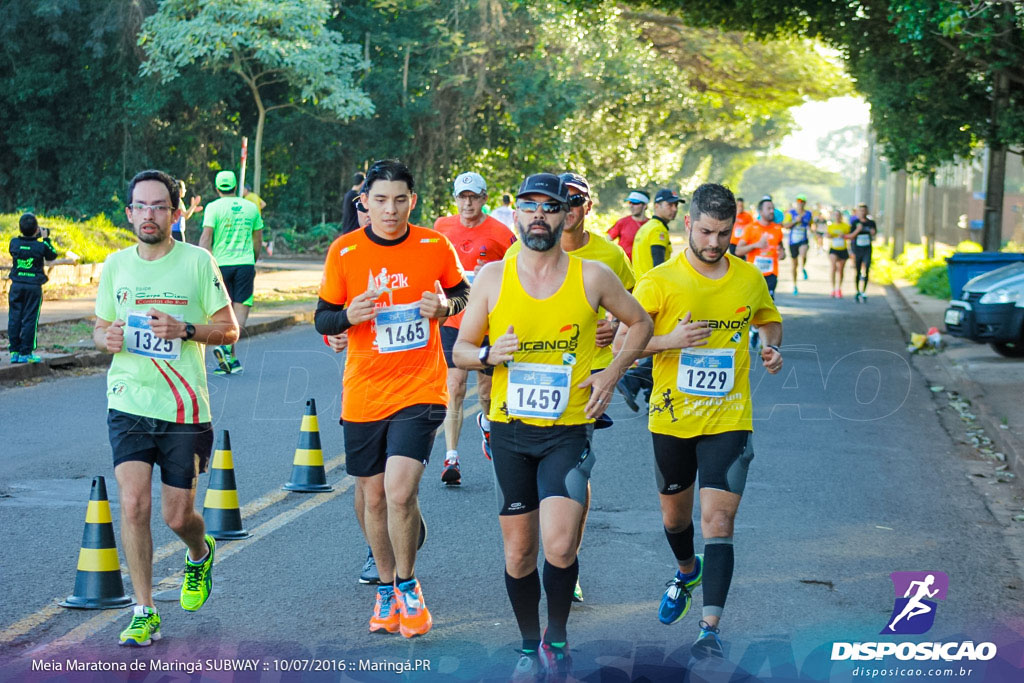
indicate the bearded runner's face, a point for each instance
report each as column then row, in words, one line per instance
column 538, row 230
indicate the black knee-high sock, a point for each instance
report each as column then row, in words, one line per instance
column 524, row 594
column 681, row 543
column 718, row 565
column 558, row 586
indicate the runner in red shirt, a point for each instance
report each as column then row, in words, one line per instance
column 478, row 239
column 625, row 228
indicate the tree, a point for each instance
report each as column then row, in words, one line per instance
column 280, row 49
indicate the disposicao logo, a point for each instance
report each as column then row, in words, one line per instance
column 913, row 613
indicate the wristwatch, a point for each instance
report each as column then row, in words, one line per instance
column 190, row 331
column 776, row 348
column 485, row 353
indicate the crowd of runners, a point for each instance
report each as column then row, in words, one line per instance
column 550, row 316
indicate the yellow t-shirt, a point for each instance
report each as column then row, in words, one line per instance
column 599, row 248
column 836, row 232
column 556, row 350
column 653, row 233
column 255, row 199
column 706, row 389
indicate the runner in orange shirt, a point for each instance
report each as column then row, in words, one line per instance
column 743, row 221
column 388, row 285
column 478, row 239
column 761, row 244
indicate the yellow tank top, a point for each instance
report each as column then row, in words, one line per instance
column 556, row 351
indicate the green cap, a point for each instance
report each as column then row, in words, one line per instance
column 799, row 197
column 225, row 181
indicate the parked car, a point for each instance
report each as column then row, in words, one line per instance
column 991, row 310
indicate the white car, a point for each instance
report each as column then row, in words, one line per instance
column 991, row 310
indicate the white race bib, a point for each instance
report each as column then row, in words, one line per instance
column 863, row 240
column 538, row 390
column 764, row 263
column 401, row 328
column 139, row 338
column 706, row 372
column 797, row 235
column 838, row 243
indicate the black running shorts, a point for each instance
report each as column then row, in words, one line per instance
column 841, row 254
column 181, row 450
column 448, row 337
column 408, row 433
column 794, row 249
column 532, row 463
column 722, row 460
column 239, row 281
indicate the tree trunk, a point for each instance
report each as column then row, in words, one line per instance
column 258, row 151
column 928, row 217
column 992, row 232
column 897, row 215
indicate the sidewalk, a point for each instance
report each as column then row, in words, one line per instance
column 271, row 275
column 989, row 382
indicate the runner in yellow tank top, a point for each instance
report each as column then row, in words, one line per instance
column 578, row 241
column 539, row 308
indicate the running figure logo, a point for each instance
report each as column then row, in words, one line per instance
column 914, row 613
column 666, row 404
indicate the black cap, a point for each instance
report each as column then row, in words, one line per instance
column 544, row 183
column 670, row 196
column 28, row 224
column 576, row 180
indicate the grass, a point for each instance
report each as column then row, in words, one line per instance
column 282, row 297
column 92, row 240
column 929, row 275
column 63, row 337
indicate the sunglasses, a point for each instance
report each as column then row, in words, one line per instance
column 577, row 200
column 546, row 207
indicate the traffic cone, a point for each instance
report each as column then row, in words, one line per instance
column 220, row 509
column 308, row 473
column 98, row 584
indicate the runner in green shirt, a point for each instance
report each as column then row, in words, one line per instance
column 158, row 303
column 233, row 233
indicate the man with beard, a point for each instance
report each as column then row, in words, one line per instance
column 539, row 309
column 701, row 301
column 158, row 303
column 578, row 241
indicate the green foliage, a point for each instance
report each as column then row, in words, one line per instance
column 313, row 240
column 92, row 240
column 934, row 281
column 784, row 177
column 969, row 247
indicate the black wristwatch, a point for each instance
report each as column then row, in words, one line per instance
column 190, row 331
column 776, row 348
column 485, row 353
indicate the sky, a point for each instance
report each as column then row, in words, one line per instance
column 815, row 120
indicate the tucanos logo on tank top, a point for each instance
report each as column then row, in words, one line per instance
column 563, row 342
column 736, row 324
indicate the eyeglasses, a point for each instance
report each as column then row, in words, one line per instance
column 546, row 207
column 469, row 197
column 157, row 209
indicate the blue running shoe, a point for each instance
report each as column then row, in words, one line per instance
column 708, row 644
column 675, row 603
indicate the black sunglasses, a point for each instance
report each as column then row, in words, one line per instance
column 546, row 207
column 577, row 200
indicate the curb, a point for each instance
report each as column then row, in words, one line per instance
column 96, row 359
column 1001, row 438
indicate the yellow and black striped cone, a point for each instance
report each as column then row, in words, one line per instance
column 98, row 584
column 308, row 473
column 220, row 509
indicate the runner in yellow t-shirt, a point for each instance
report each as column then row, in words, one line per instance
column 838, row 253
column 702, row 302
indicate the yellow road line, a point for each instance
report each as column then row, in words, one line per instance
column 100, row 621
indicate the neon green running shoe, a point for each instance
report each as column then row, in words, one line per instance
column 198, row 583
column 144, row 629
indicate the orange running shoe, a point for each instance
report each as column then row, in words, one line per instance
column 385, row 613
column 415, row 617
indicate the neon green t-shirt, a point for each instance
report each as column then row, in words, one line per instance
column 153, row 377
column 598, row 248
column 233, row 220
column 705, row 389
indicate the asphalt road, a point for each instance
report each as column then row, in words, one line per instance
column 854, row 478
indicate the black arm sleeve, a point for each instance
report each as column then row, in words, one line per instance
column 658, row 254
column 458, row 297
column 330, row 318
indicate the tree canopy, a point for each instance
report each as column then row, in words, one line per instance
column 502, row 87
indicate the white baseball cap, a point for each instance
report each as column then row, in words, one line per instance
column 470, row 182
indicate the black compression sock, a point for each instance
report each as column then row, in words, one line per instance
column 718, row 566
column 524, row 594
column 681, row 543
column 558, row 586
